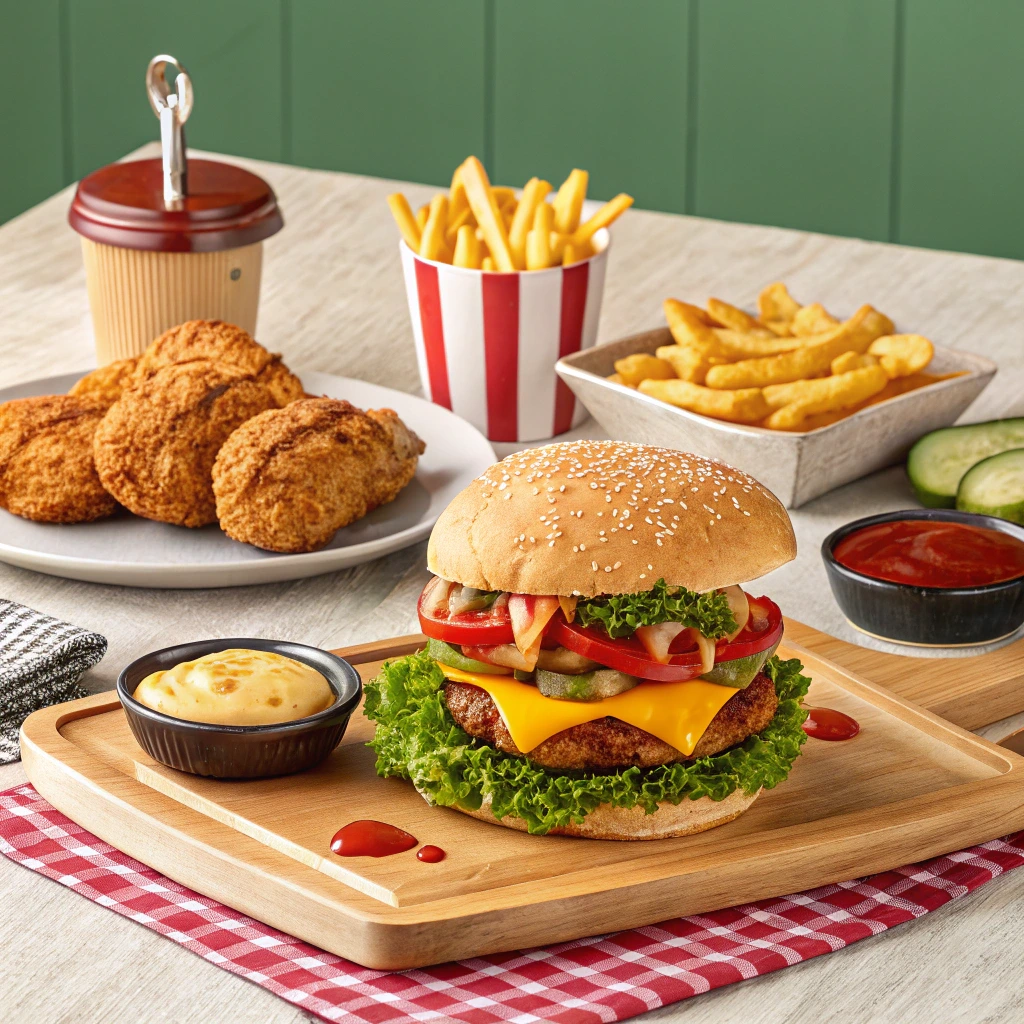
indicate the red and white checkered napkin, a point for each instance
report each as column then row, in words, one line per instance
column 608, row 978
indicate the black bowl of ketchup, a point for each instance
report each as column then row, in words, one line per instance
column 931, row 577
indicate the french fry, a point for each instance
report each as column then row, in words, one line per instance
column 487, row 265
column 568, row 255
column 830, row 394
column 734, row 318
column 557, row 244
column 569, row 201
column 457, row 202
column 485, row 209
column 746, row 405
column 611, row 210
column 689, row 326
column 693, row 313
column 741, row 345
column 777, row 308
column 812, row 319
column 851, row 361
column 402, row 212
column 538, row 239
column 688, row 363
column 465, row 217
column 467, row 248
column 641, row 366
column 617, row 379
column 902, row 354
column 432, row 243
column 503, row 194
column 421, row 216
column 534, row 192
column 810, row 360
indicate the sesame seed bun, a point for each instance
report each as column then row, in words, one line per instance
column 609, row 517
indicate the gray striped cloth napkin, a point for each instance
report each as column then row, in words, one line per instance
column 41, row 661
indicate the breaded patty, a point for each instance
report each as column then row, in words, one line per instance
column 289, row 478
column 156, row 445
column 225, row 343
column 46, row 464
column 607, row 743
column 106, row 384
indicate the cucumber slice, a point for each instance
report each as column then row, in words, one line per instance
column 738, row 673
column 454, row 658
column 590, row 686
column 938, row 461
column 995, row 486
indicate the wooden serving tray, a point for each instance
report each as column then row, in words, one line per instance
column 910, row 786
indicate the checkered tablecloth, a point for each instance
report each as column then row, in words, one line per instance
column 602, row 979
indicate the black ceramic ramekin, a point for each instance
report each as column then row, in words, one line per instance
column 240, row 751
column 926, row 616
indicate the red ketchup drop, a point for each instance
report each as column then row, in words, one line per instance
column 430, row 854
column 371, row 839
column 829, row 724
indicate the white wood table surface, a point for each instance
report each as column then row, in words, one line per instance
column 333, row 300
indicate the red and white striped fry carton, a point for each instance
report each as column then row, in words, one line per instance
column 487, row 343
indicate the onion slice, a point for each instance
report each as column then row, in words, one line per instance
column 758, row 616
column 706, row 648
column 437, row 597
column 530, row 616
column 658, row 639
column 740, row 608
column 506, row 655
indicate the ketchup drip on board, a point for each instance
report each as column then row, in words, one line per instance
column 430, row 854
column 366, row 838
column 829, row 724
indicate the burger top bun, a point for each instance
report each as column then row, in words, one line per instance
column 609, row 517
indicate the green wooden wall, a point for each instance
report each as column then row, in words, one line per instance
column 884, row 119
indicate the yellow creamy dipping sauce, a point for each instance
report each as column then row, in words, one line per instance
column 237, row 687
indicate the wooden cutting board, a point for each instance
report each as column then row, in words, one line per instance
column 971, row 692
column 908, row 787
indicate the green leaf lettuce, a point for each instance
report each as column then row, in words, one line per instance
column 417, row 739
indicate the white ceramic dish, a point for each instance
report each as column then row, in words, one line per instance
column 136, row 552
column 795, row 466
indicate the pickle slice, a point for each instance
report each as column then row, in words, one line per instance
column 454, row 658
column 739, row 673
column 590, row 686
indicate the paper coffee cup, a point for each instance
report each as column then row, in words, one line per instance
column 487, row 343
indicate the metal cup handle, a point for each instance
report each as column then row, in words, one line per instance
column 172, row 104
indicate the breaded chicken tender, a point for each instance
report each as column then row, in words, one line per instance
column 224, row 343
column 288, row 479
column 106, row 383
column 156, row 445
column 46, row 464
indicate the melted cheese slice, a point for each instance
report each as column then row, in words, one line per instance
column 677, row 713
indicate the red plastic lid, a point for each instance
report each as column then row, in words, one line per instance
column 226, row 207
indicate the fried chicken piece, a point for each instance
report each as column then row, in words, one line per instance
column 156, row 445
column 224, row 343
column 288, row 479
column 106, row 383
column 46, row 465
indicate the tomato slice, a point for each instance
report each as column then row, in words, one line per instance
column 486, row 628
column 629, row 655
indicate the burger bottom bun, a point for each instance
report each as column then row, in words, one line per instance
column 629, row 823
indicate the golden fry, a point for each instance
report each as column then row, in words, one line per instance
column 902, row 354
column 734, row 318
column 852, row 361
column 432, row 244
column 402, row 212
column 641, row 366
column 557, row 244
column 568, row 255
column 688, row 363
column 611, row 210
column 829, row 395
column 746, row 405
column 810, row 360
column 569, row 201
column 538, row 239
column 533, row 195
column 485, row 209
column 813, row 319
column 741, row 345
column 503, row 194
column 689, row 326
column 467, row 248
column 617, row 379
column 465, row 217
column 777, row 308
column 458, row 202
column 487, row 264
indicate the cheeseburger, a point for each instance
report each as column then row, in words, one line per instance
column 594, row 665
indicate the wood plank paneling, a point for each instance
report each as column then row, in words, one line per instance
column 232, row 51
column 795, row 101
column 598, row 85
column 961, row 156
column 31, row 114
column 393, row 88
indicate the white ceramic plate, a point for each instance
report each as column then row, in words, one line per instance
column 136, row 552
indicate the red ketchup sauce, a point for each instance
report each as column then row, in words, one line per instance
column 371, row 839
column 829, row 724
column 430, row 854
column 932, row 553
